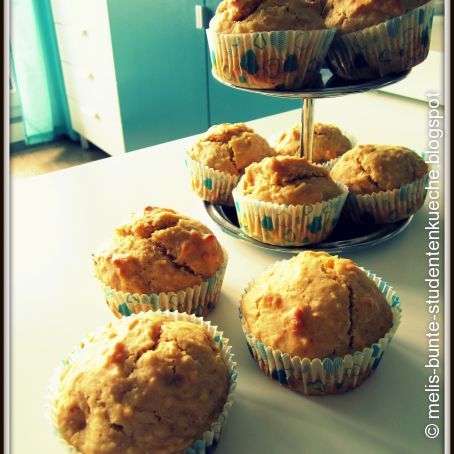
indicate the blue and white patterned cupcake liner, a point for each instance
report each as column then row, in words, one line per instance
column 199, row 300
column 288, row 225
column 387, row 206
column 210, row 184
column 390, row 47
column 278, row 59
column 322, row 376
column 210, row 438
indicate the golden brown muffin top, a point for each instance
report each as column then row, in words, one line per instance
column 147, row 384
column 329, row 142
column 247, row 16
column 287, row 180
column 316, row 305
column 159, row 250
column 230, row 148
column 353, row 15
column 373, row 168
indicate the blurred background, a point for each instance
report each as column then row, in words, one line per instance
column 92, row 79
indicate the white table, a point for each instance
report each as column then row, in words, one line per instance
column 58, row 219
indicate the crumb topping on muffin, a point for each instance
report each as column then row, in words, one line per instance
column 150, row 384
column 316, row 305
column 353, row 15
column 230, row 148
column 329, row 142
column 373, row 168
column 236, row 16
column 287, row 180
column 159, row 250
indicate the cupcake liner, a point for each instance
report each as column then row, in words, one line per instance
column 387, row 206
column 321, row 376
column 210, row 437
column 277, row 59
column 210, row 184
column 272, row 140
column 199, row 300
column 288, row 225
column 390, row 47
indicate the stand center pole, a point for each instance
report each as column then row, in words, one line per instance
column 307, row 128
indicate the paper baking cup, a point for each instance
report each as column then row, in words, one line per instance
column 328, row 375
column 210, row 438
column 391, row 47
column 277, row 59
column 210, row 184
column 199, row 300
column 387, row 206
column 288, row 225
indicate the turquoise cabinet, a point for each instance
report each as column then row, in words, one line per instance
column 163, row 74
column 160, row 69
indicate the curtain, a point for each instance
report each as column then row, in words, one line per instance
column 36, row 68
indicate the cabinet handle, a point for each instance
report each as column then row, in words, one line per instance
column 201, row 17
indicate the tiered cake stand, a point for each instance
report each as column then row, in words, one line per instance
column 345, row 235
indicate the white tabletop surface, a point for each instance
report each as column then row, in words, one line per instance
column 58, row 220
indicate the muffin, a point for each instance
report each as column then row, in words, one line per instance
column 329, row 143
column 266, row 15
column 150, row 383
column 377, row 38
column 386, row 183
column 288, row 201
column 318, row 323
column 219, row 157
column 163, row 260
column 278, row 44
column 350, row 16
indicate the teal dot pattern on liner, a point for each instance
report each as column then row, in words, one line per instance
column 393, row 27
column 249, row 62
column 316, row 225
column 267, row 223
column 375, row 350
column 218, row 340
column 332, row 365
column 280, row 376
column 213, row 58
column 395, row 301
column 279, row 40
column 377, row 361
column 242, row 79
column 208, row 183
column 425, row 38
column 421, row 16
column 291, row 63
column 261, row 349
column 124, row 310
